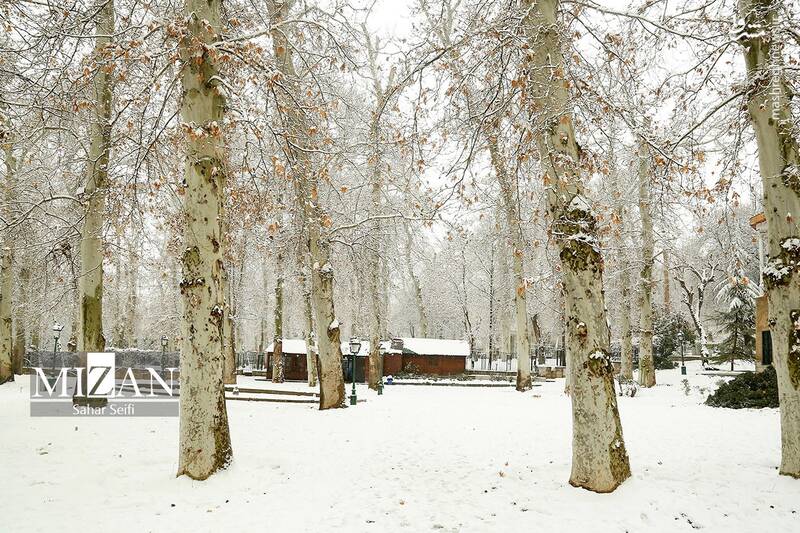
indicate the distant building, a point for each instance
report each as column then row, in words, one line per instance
column 763, row 334
column 295, row 367
column 439, row 357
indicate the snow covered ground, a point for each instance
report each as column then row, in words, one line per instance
column 415, row 459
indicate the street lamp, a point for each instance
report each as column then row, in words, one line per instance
column 683, row 363
column 56, row 334
column 355, row 347
column 164, row 342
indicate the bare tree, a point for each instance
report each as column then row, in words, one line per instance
column 599, row 458
column 205, row 443
column 770, row 110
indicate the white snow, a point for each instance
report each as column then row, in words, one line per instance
column 597, row 354
column 791, row 245
column 424, row 346
column 415, row 459
column 291, row 346
column 580, row 203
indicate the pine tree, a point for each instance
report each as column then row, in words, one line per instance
column 738, row 320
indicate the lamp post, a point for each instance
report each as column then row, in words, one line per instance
column 164, row 342
column 355, row 347
column 56, row 333
column 683, row 363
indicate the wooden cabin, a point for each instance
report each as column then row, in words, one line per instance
column 438, row 357
column 295, row 366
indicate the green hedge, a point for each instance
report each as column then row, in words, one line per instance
column 750, row 390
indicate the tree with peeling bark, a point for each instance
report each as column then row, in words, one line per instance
column 205, row 443
column 6, row 254
column 647, row 371
column 599, row 457
column 770, row 111
column 416, row 286
column 619, row 219
column 298, row 136
column 89, row 335
column 6, row 341
column 277, row 344
column 90, row 283
column 485, row 119
column 381, row 92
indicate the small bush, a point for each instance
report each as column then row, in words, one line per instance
column 663, row 362
column 750, row 390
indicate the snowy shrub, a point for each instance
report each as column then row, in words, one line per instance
column 627, row 387
column 749, row 390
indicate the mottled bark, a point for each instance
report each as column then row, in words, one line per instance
column 308, row 328
column 21, row 320
column 6, row 342
column 768, row 104
column 298, row 135
column 228, row 337
column 375, row 278
column 262, row 338
column 132, row 299
column 618, row 232
column 517, row 244
column 666, row 280
column 90, row 283
column 205, row 444
column 599, row 458
column 6, row 258
column 277, row 346
column 416, row 286
column 647, row 372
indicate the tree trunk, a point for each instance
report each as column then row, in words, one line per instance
column 626, row 345
column 6, row 343
column 205, row 444
column 779, row 161
column 277, row 350
column 228, row 329
column 647, row 373
column 374, row 274
column 6, row 261
column 507, row 190
column 90, row 283
column 666, row 281
column 21, row 319
column 308, row 323
column 415, row 284
column 262, row 339
column 118, row 333
column 132, row 303
column 599, row 458
column 330, row 374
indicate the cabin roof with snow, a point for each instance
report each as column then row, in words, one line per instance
column 291, row 346
column 420, row 346
column 365, row 346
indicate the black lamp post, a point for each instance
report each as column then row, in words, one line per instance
column 355, row 347
column 683, row 363
column 56, row 334
column 164, row 343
